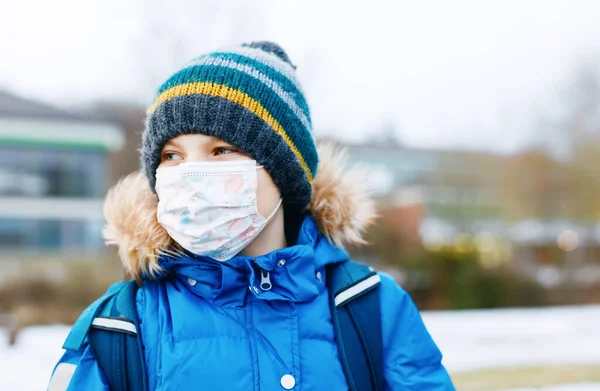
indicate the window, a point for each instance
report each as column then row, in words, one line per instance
column 50, row 235
column 39, row 172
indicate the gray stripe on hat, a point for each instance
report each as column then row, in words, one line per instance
column 249, row 70
column 268, row 59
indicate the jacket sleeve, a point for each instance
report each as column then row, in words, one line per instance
column 78, row 371
column 412, row 361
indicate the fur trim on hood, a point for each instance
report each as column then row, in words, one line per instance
column 341, row 206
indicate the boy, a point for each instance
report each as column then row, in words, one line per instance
column 234, row 236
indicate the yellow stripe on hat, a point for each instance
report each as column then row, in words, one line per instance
column 234, row 96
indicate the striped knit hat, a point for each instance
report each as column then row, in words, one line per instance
column 249, row 97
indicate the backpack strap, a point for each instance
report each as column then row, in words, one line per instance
column 113, row 336
column 356, row 316
column 80, row 329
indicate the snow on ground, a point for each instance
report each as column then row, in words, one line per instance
column 516, row 337
column 470, row 340
column 564, row 387
column 28, row 365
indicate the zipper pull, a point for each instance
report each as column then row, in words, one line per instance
column 265, row 280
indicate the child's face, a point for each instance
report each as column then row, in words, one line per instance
column 202, row 148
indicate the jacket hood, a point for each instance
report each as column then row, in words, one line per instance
column 341, row 207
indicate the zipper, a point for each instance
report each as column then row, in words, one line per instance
column 265, row 280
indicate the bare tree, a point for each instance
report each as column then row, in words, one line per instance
column 573, row 134
column 174, row 32
column 574, row 123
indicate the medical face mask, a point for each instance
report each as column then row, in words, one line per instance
column 210, row 208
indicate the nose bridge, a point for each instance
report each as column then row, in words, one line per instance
column 198, row 154
column 198, row 150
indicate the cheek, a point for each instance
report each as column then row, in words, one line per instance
column 267, row 193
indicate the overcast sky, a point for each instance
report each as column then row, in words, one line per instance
column 467, row 74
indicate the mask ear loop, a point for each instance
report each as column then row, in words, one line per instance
column 276, row 208
column 275, row 211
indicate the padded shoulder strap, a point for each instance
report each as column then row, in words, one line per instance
column 356, row 315
column 116, row 343
column 80, row 329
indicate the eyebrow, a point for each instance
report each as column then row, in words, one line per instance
column 216, row 140
column 213, row 140
column 173, row 142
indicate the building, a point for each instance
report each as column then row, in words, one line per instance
column 457, row 190
column 54, row 174
column 435, row 198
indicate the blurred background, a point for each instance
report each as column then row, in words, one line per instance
column 480, row 123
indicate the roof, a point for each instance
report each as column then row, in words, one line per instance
column 12, row 106
column 409, row 164
column 39, row 124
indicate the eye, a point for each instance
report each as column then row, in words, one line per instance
column 172, row 156
column 225, row 150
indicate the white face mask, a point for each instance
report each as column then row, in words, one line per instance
column 210, row 208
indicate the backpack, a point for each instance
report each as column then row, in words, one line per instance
column 111, row 324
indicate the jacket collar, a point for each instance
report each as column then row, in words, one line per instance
column 295, row 273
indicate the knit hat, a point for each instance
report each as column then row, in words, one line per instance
column 249, row 97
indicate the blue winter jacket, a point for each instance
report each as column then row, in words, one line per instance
column 208, row 325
